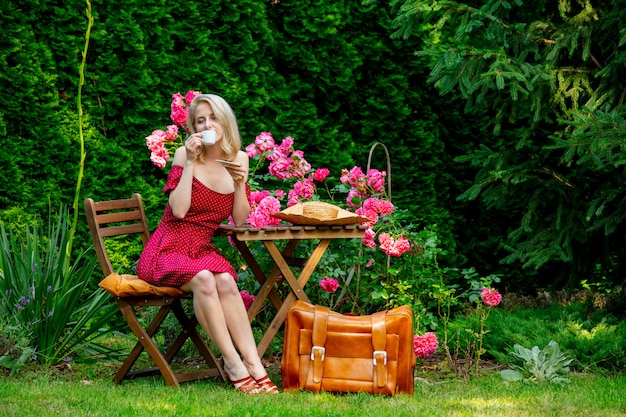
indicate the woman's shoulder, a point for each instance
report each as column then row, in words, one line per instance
column 242, row 158
column 180, row 156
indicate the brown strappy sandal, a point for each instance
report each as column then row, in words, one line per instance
column 267, row 385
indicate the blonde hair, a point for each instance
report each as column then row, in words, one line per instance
column 231, row 142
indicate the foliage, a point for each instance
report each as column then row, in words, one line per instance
column 49, row 298
column 326, row 73
column 592, row 335
column 15, row 347
column 539, row 365
column 469, row 342
column 544, row 82
column 330, row 75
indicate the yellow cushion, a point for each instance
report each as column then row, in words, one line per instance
column 130, row 285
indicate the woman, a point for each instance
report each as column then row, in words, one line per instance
column 202, row 194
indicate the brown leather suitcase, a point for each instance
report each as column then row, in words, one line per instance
column 328, row 351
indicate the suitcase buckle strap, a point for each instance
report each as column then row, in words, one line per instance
column 384, row 356
column 322, row 351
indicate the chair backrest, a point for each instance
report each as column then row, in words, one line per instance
column 115, row 218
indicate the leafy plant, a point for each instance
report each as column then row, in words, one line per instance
column 546, row 365
column 15, row 348
column 49, row 298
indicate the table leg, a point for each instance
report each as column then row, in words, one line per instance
column 283, row 266
column 267, row 283
column 308, row 269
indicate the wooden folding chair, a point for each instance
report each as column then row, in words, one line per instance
column 127, row 217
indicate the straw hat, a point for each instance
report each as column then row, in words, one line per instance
column 318, row 213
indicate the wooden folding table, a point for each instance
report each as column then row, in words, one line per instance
column 283, row 261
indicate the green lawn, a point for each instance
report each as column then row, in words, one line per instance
column 80, row 389
column 43, row 394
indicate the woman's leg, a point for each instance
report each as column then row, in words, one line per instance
column 210, row 313
column 236, row 318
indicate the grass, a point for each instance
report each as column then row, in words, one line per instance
column 80, row 389
column 88, row 390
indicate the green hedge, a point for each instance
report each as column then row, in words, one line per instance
column 326, row 73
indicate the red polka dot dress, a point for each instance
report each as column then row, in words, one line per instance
column 180, row 248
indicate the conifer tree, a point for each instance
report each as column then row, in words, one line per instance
column 545, row 82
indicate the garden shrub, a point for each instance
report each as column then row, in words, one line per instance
column 596, row 341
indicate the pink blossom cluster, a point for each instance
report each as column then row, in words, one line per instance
column 163, row 143
column 490, row 296
column 393, row 247
column 180, row 107
column 248, row 299
column 156, row 142
column 425, row 345
column 329, row 284
column 286, row 163
column 366, row 196
column 363, row 186
column 262, row 206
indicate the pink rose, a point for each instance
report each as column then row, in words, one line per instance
column 248, row 299
column 356, row 175
column 265, row 142
column 258, row 218
column 368, row 238
column 269, row 205
column 371, row 204
column 491, row 297
column 376, row 179
column 300, row 165
column 385, row 207
column 329, row 284
column 304, row 189
column 172, row 133
column 371, row 215
column 320, row 174
column 286, row 144
column 402, row 246
column 191, row 95
column 178, row 110
column 292, row 199
column 256, row 196
column 159, row 160
column 280, row 168
column 393, row 247
column 425, row 345
column 155, row 141
column 252, row 150
column 277, row 153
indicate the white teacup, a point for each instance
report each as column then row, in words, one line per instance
column 208, row 137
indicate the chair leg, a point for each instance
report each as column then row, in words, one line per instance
column 163, row 360
column 145, row 342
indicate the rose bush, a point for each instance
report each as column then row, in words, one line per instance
column 365, row 197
